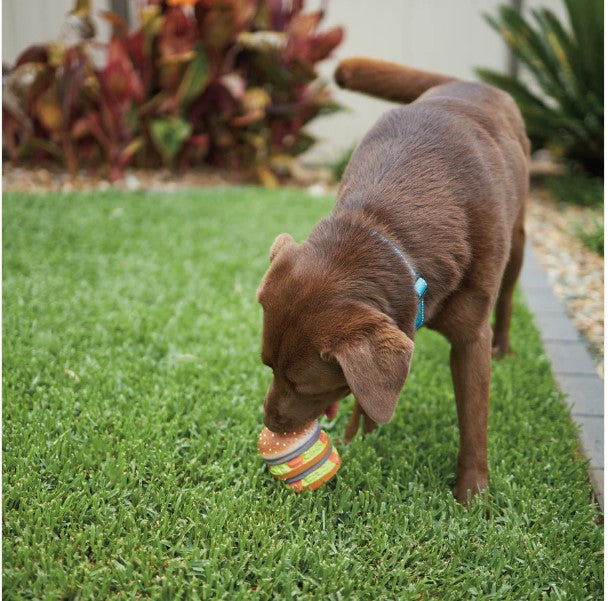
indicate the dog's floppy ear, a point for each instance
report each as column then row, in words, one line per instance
column 281, row 241
column 375, row 360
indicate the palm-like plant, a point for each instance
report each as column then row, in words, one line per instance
column 567, row 113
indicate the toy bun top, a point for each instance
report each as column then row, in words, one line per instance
column 273, row 446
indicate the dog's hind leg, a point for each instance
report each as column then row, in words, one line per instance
column 369, row 425
column 504, row 304
column 353, row 423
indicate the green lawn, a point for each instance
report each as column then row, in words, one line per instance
column 133, row 397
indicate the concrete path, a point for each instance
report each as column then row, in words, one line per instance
column 572, row 366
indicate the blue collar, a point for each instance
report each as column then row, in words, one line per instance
column 420, row 284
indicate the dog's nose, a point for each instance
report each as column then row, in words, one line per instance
column 272, row 419
column 274, row 424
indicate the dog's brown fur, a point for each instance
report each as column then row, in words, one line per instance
column 445, row 179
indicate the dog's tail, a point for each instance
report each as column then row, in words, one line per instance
column 386, row 80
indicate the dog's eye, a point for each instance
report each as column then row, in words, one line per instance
column 306, row 389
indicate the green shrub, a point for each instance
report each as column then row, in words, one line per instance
column 567, row 113
column 592, row 236
column 338, row 167
column 577, row 189
column 224, row 82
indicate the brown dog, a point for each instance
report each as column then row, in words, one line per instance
column 436, row 188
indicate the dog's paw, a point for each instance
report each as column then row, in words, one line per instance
column 468, row 485
column 500, row 352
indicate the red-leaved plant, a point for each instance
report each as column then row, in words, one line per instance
column 229, row 83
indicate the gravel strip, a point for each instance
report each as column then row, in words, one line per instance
column 575, row 273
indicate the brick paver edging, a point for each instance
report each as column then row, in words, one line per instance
column 572, row 366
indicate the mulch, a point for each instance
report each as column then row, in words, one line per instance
column 42, row 179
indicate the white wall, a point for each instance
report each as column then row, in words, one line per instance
column 27, row 22
column 446, row 36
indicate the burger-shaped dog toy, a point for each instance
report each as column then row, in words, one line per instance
column 303, row 459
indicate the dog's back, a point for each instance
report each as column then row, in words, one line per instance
column 466, row 127
column 448, row 170
column 403, row 84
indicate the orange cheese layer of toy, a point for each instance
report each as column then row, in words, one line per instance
column 303, row 459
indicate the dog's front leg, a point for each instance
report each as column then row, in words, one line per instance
column 470, row 363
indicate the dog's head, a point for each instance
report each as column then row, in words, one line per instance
column 322, row 343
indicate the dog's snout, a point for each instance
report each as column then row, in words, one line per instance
column 273, row 418
column 274, row 425
column 285, row 411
